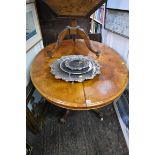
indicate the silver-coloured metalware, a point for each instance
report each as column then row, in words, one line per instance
column 75, row 72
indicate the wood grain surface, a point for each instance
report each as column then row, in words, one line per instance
column 73, row 8
column 90, row 94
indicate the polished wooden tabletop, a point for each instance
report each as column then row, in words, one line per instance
column 90, row 94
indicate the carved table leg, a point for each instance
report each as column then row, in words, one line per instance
column 99, row 113
column 83, row 35
column 64, row 117
column 61, row 36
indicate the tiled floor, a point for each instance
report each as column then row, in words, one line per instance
column 83, row 134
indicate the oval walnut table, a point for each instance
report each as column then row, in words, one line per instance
column 90, row 94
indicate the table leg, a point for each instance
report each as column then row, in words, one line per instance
column 99, row 113
column 64, row 117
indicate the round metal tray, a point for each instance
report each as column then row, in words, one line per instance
column 77, row 63
column 57, row 68
column 70, row 71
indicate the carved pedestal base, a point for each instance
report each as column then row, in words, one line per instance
column 63, row 119
column 74, row 30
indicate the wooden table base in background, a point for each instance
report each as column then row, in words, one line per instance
column 63, row 119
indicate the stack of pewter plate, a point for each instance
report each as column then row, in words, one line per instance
column 75, row 68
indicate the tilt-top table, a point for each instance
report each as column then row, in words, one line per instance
column 89, row 94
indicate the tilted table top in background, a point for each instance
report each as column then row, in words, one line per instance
column 89, row 94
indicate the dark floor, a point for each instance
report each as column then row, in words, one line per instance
column 83, row 134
